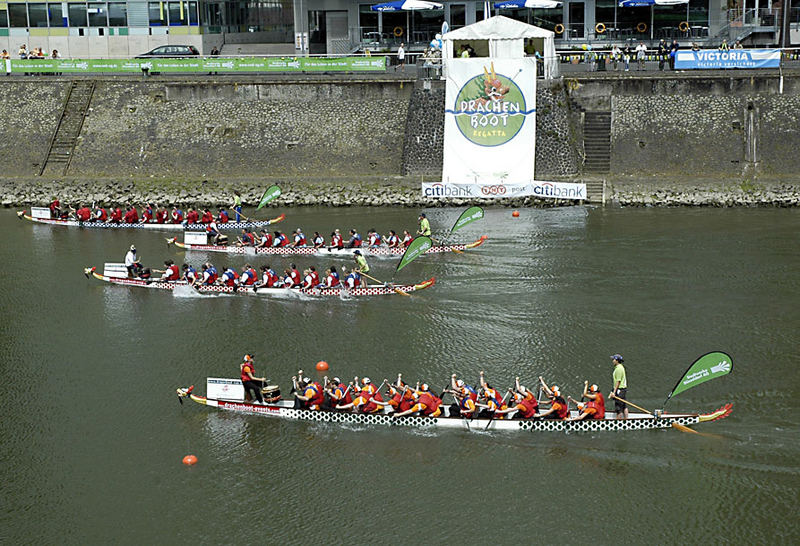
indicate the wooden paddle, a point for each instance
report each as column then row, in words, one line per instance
column 387, row 284
column 674, row 424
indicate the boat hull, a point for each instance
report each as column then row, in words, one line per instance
column 153, row 226
column 328, row 252
column 285, row 410
column 371, row 290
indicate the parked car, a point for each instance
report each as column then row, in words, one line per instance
column 170, row 51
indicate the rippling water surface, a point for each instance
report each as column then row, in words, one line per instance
column 93, row 436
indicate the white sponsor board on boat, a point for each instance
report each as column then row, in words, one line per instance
column 40, row 212
column 195, row 238
column 542, row 189
column 225, row 389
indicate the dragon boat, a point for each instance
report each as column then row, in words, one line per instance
column 228, row 394
column 198, row 242
column 41, row 215
column 114, row 273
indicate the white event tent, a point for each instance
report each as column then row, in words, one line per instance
column 501, row 37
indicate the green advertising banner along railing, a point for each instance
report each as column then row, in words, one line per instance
column 198, row 65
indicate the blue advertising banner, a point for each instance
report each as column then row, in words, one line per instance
column 734, row 58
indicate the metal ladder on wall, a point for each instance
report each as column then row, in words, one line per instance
column 65, row 137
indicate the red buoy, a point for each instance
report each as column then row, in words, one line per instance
column 322, row 366
column 189, row 460
column 515, row 214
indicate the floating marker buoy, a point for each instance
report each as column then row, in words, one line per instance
column 189, row 460
column 515, row 214
column 322, row 366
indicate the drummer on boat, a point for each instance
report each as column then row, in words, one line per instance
column 132, row 262
column 252, row 384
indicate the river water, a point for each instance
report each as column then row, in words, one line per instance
column 93, row 435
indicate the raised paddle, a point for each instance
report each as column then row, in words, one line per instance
column 386, row 284
column 674, row 424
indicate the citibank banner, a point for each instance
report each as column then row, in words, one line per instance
column 199, row 64
column 490, row 122
column 734, row 58
column 544, row 190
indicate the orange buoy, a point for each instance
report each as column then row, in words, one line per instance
column 322, row 366
column 189, row 460
column 515, row 214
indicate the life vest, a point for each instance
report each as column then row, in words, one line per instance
column 131, row 217
column 332, row 279
column 337, row 241
column 147, row 215
column 249, row 276
column 319, row 241
column 192, row 217
column 529, row 405
column 341, row 396
column 177, row 216
column 101, row 215
column 250, row 238
column 190, row 275
column 466, row 409
column 431, row 403
column 230, row 277
column 563, row 411
column 244, row 374
column 281, row 240
column 223, row 217
column 269, row 278
column 599, row 404
column 353, row 280
column 494, row 395
column 375, row 240
column 161, row 216
column 407, row 240
column 83, row 214
column 371, row 406
column 296, row 278
column 317, row 398
column 266, row 240
column 207, row 217
column 355, row 241
column 308, row 281
column 314, row 279
column 54, row 205
column 299, row 240
column 173, row 274
column 212, row 275
column 392, row 240
column 472, row 393
column 116, row 215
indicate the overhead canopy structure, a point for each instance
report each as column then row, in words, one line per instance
column 502, row 38
column 532, row 4
column 406, row 5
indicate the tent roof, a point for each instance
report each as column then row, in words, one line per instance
column 498, row 28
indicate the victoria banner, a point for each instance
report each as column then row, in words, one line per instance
column 490, row 122
column 707, row 367
column 733, row 58
column 535, row 188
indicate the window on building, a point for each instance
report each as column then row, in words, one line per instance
column 3, row 18
column 117, row 14
column 458, row 15
column 193, row 14
column 77, row 15
column 57, row 15
column 157, row 14
column 177, row 14
column 18, row 15
column 98, row 15
column 213, row 14
column 37, row 15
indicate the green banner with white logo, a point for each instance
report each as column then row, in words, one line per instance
column 417, row 248
column 269, row 194
column 199, row 65
column 467, row 217
column 707, row 367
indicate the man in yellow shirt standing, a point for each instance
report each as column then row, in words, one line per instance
column 620, row 387
column 424, row 226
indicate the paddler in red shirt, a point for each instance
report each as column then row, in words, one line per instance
column 524, row 403
column 595, row 408
column 192, row 217
column 266, row 239
column 297, row 279
column 83, row 214
column 100, row 215
column 336, row 239
column 116, row 216
column 427, row 404
column 207, row 217
column 55, row 208
column 559, row 408
column 171, row 273
column 339, row 393
column 131, row 215
column 407, row 238
column 147, row 214
column 313, row 396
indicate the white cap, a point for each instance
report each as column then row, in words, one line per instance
column 133, row 248
column 365, row 380
column 459, row 382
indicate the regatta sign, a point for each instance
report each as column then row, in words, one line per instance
column 734, row 58
column 490, row 122
column 541, row 189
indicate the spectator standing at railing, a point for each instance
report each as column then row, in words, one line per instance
column 673, row 52
column 616, row 55
column 55, row 54
column 641, row 53
column 23, row 52
column 626, row 57
column 695, row 47
column 401, row 57
column 663, row 52
column 214, row 51
column 724, row 45
column 5, row 55
column 738, row 45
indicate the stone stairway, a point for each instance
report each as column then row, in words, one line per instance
column 65, row 137
column 597, row 142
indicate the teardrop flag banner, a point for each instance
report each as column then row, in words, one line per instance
column 269, row 194
column 417, row 248
column 467, row 217
column 707, row 367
